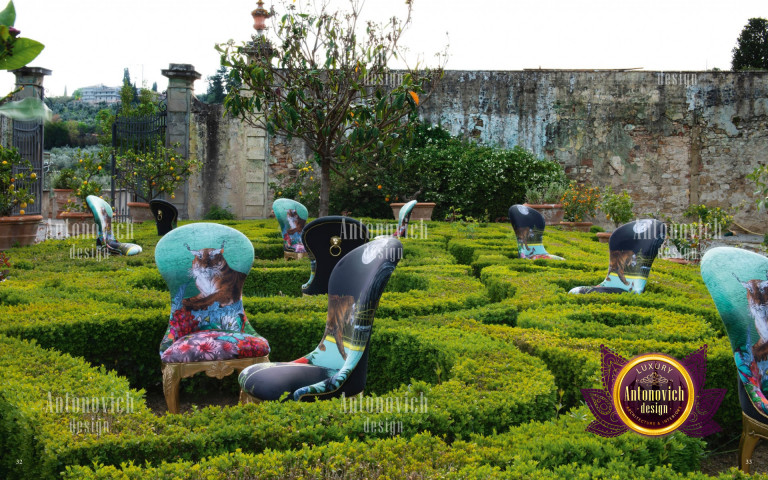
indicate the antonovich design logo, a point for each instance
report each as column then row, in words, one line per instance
column 653, row 394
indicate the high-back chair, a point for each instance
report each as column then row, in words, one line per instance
column 327, row 240
column 529, row 229
column 292, row 216
column 102, row 215
column 632, row 249
column 166, row 214
column 403, row 218
column 205, row 266
column 737, row 280
column 339, row 364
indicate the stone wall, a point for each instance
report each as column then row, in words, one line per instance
column 671, row 139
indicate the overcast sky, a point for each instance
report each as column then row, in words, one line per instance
column 90, row 41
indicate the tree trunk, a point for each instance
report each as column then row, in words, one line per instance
column 325, row 186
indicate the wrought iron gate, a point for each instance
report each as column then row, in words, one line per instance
column 28, row 139
column 137, row 133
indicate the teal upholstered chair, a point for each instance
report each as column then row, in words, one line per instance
column 205, row 266
column 339, row 364
column 529, row 229
column 738, row 282
column 403, row 218
column 102, row 215
column 292, row 216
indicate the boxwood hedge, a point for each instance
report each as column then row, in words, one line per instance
column 494, row 343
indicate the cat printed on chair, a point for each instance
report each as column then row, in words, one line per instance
column 757, row 298
column 292, row 236
column 215, row 280
column 340, row 312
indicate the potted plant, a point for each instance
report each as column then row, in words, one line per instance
column 14, row 191
column 84, row 182
column 579, row 202
column 546, row 200
column 692, row 239
column 150, row 174
column 63, row 190
column 617, row 208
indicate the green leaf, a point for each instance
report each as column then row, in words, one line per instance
column 24, row 51
column 8, row 16
column 28, row 109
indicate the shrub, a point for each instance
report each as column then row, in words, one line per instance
column 580, row 202
column 219, row 213
column 617, row 207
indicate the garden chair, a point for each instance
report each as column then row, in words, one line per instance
column 529, row 229
column 102, row 215
column 327, row 240
column 205, row 266
column 292, row 216
column 737, row 280
column 166, row 214
column 339, row 364
column 632, row 247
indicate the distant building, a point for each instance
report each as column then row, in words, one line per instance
column 100, row 93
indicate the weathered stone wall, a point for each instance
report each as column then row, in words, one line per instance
column 670, row 139
column 234, row 171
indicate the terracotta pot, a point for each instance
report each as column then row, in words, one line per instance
column 19, row 230
column 140, row 212
column 80, row 224
column 603, row 237
column 576, row 226
column 421, row 211
column 552, row 212
column 61, row 197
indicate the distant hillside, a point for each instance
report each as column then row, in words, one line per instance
column 74, row 122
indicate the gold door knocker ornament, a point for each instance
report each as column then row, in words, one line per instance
column 335, row 243
column 159, row 215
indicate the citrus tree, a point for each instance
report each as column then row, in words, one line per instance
column 325, row 81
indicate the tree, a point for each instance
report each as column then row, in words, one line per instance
column 216, row 92
column 154, row 86
column 326, row 83
column 751, row 51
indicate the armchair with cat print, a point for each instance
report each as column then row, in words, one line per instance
column 529, row 229
column 205, row 266
column 102, row 215
column 737, row 280
column 339, row 364
column 292, row 216
column 632, row 249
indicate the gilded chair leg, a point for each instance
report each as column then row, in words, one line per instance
column 746, row 448
column 248, row 398
column 171, row 379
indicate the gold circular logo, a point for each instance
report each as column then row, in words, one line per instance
column 653, row 394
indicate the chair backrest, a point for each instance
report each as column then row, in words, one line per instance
column 204, row 266
column 632, row 249
column 166, row 214
column 327, row 240
column 102, row 215
column 737, row 280
column 354, row 290
column 292, row 216
column 529, row 229
column 403, row 218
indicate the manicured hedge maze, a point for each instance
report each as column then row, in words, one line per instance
column 493, row 345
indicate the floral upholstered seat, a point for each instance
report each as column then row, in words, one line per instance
column 102, row 215
column 327, row 240
column 529, row 229
column 205, row 266
column 632, row 248
column 737, row 280
column 339, row 364
column 292, row 216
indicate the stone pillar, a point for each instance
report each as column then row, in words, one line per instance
column 30, row 81
column 181, row 79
